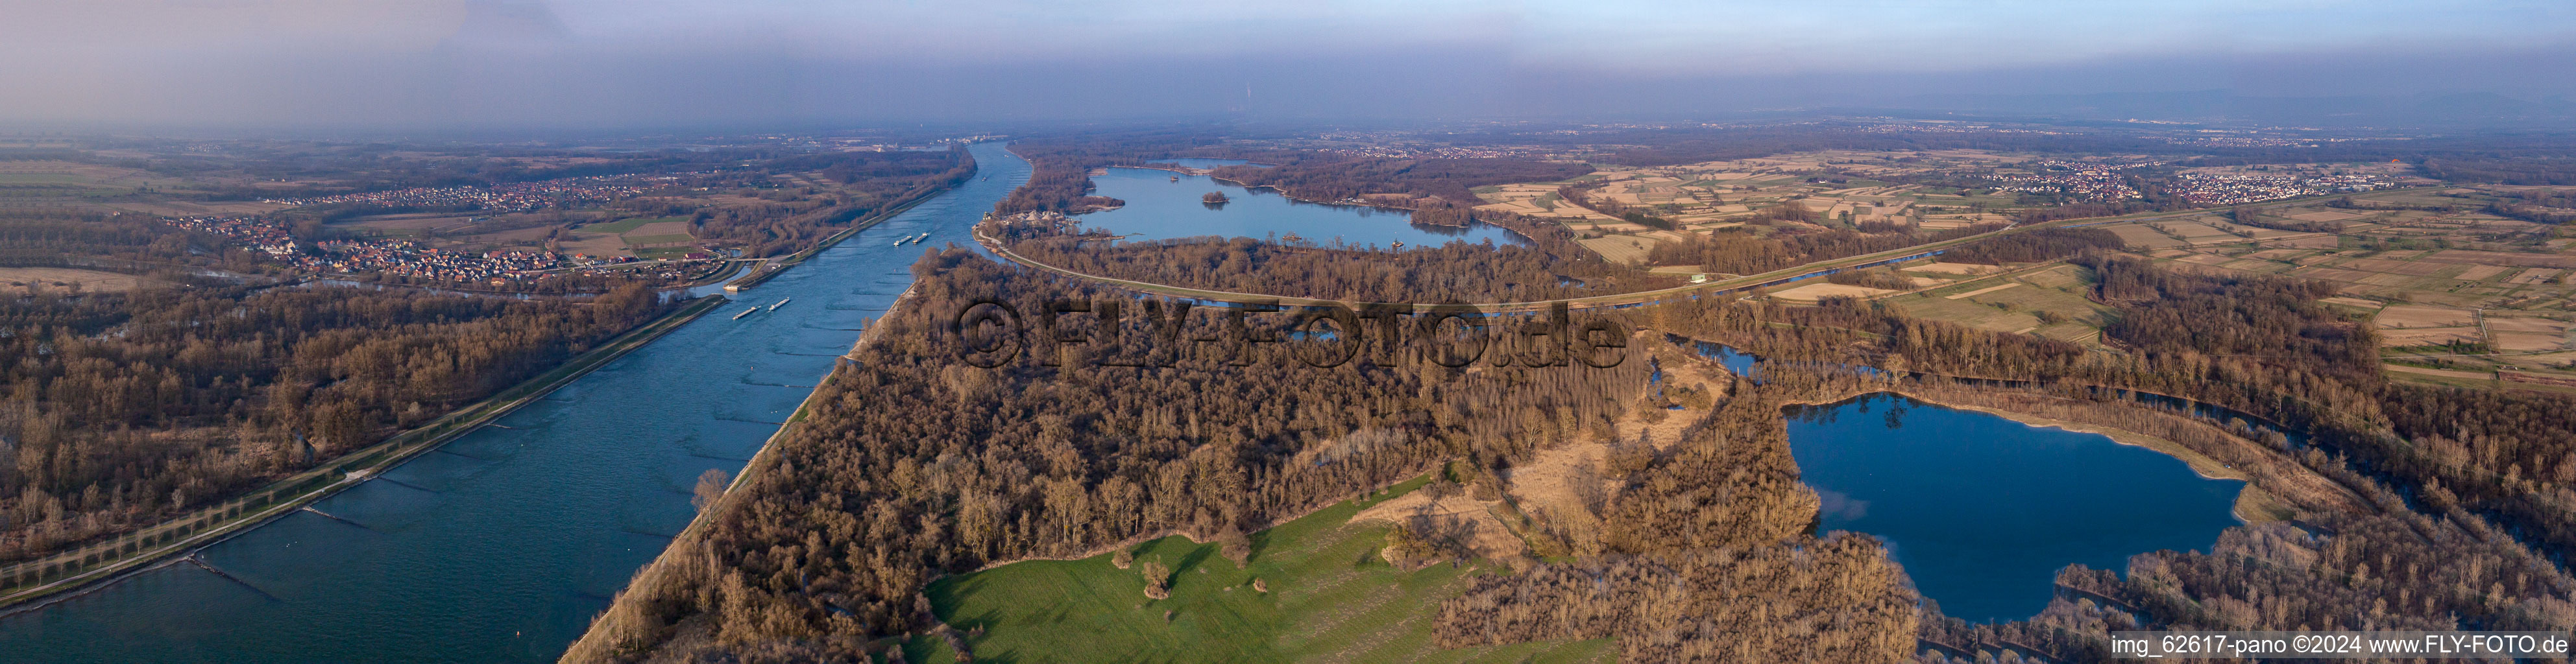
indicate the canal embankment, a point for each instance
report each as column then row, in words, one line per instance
column 33, row 583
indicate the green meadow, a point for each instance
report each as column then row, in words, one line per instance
column 1331, row 598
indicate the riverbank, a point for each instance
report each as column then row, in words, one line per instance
column 68, row 573
column 596, row 642
column 765, row 269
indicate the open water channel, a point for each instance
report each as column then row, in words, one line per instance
column 502, row 545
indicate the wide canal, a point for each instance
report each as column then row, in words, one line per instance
column 502, row 545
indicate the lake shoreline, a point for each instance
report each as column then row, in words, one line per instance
column 2254, row 504
column 1346, row 203
column 1983, row 505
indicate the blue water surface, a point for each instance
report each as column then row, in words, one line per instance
column 1983, row 511
column 502, row 545
column 1159, row 207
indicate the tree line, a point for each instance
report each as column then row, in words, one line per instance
column 871, row 182
column 1324, row 176
column 125, row 408
column 1060, row 166
column 915, row 464
column 1454, row 272
column 2386, row 480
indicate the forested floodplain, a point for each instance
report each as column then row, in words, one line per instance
column 2257, row 345
column 912, row 463
column 500, row 542
column 129, row 407
column 1686, row 520
column 223, row 348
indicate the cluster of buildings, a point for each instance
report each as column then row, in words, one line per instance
column 514, row 197
column 2082, row 181
column 260, row 233
column 1443, row 152
column 2232, row 189
column 2244, row 142
column 1040, row 219
column 413, row 259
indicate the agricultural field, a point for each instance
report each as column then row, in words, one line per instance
column 2207, row 229
column 1836, row 186
column 2046, row 300
column 2455, row 291
column 2452, row 283
column 32, row 280
column 37, row 185
column 1326, row 594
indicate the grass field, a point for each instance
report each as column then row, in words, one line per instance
column 660, row 253
column 624, row 226
column 1836, row 185
column 2013, row 303
column 634, row 240
column 2456, row 293
column 1331, row 599
column 59, row 279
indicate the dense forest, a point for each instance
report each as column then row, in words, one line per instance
column 2389, row 479
column 1323, row 176
column 209, row 378
column 2046, row 244
column 1550, row 266
column 122, row 408
column 2398, row 506
column 917, row 464
column 130, row 243
column 2545, row 206
column 1060, row 166
column 1802, row 600
column 2414, row 507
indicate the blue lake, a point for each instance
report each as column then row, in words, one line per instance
column 1159, row 207
column 1199, row 162
column 1983, row 511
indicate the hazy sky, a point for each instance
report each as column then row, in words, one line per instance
column 614, row 63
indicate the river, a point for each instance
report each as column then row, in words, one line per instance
column 502, row 545
column 1983, row 511
column 1159, row 207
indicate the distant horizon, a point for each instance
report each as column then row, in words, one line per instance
column 2382, row 115
column 445, row 65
